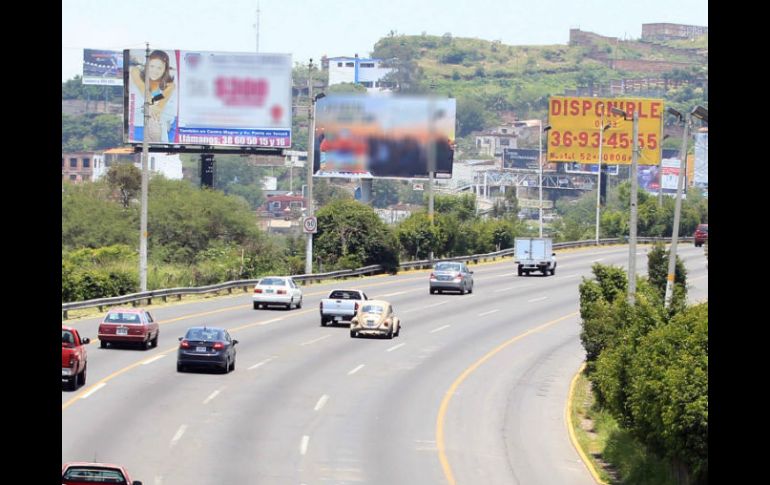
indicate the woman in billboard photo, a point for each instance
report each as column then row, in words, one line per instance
column 162, row 98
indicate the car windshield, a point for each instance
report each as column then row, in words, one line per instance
column 450, row 266
column 205, row 334
column 344, row 295
column 118, row 317
column 94, row 475
column 272, row 282
column 372, row 309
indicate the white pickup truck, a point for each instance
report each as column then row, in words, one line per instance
column 340, row 305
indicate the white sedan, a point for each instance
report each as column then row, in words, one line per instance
column 277, row 290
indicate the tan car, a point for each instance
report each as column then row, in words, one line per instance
column 375, row 317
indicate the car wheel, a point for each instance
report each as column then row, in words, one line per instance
column 390, row 334
column 432, row 291
column 232, row 364
column 256, row 305
column 226, row 367
column 179, row 367
column 353, row 334
column 553, row 270
column 102, row 344
column 521, row 271
column 398, row 332
column 155, row 340
column 147, row 343
column 471, row 289
column 323, row 321
column 299, row 304
column 82, row 377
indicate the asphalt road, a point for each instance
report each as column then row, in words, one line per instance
column 473, row 391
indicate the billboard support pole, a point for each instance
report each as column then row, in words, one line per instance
column 431, row 165
column 310, row 160
column 599, row 175
column 145, row 154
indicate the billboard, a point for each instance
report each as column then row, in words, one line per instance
column 589, row 168
column 522, row 158
column 575, row 130
column 360, row 136
column 701, row 177
column 650, row 177
column 102, row 68
column 216, row 99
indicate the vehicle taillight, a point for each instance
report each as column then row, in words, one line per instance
column 185, row 344
column 219, row 346
column 458, row 277
column 281, row 292
column 257, row 290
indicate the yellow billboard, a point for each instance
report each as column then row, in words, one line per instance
column 575, row 123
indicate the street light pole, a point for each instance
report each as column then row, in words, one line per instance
column 701, row 113
column 309, row 163
column 599, row 175
column 634, row 198
column 145, row 181
column 540, row 175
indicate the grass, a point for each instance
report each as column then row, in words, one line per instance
column 615, row 455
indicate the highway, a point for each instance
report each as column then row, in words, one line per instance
column 473, row 391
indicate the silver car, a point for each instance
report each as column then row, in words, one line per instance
column 451, row 276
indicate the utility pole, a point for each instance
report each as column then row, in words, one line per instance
column 599, row 175
column 632, row 223
column 677, row 211
column 145, row 155
column 540, row 173
column 310, row 158
column 431, row 164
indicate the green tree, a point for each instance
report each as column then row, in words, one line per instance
column 351, row 235
column 417, row 236
column 126, row 179
column 91, row 220
column 470, row 116
column 657, row 272
column 324, row 192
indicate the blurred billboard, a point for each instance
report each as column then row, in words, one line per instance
column 653, row 178
column 360, row 136
column 215, row 99
column 102, row 68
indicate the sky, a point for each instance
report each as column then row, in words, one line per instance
column 313, row 28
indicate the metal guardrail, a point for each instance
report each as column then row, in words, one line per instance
column 164, row 294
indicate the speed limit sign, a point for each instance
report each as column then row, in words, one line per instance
column 310, row 225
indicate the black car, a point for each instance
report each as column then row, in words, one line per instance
column 206, row 347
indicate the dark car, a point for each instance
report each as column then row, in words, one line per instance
column 701, row 234
column 86, row 473
column 209, row 347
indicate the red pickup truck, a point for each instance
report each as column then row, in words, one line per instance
column 74, row 358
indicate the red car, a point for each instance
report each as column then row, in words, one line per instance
column 74, row 358
column 701, row 234
column 129, row 325
column 84, row 473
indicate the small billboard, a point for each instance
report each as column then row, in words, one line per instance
column 360, row 136
column 701, row 177
column 589, row 168
column 214, row 99
column 102, row 68
column 651, row 177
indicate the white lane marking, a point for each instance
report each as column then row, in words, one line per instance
column 394, row 294
column 321, row 402
column 153, row 359
column 439, row 329
column 303, row 444
column 395, row 347
column 597, row 260
column 271, row 321
column 533, row 300
column 489, row 312
column 96, row 388
column 261, row 363
column 504, row 289
column 211, row 396
column 178, row 435
column 356, row 369
column 315, row 340
column 570, row 275
column 426, row 306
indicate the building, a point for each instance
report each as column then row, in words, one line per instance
column 284, row 206
column 663, row 31
column 367, row 72
column 167, row 164
column 77, row 166
column 492, row 142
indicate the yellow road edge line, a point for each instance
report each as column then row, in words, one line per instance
column 572, row 436
column 450, row 392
